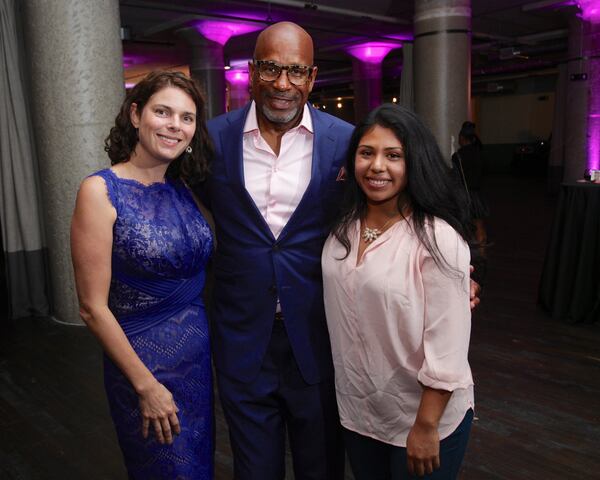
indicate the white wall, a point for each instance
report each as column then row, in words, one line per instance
column 516, row 118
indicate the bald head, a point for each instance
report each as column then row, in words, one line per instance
column 284, row 36
column 279, row 102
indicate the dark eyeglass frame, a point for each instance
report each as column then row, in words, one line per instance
column 259, row 63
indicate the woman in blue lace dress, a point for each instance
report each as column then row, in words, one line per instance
column 140, row 247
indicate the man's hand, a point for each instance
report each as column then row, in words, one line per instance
column 474, row 291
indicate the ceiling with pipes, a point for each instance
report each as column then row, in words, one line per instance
column 509, row 37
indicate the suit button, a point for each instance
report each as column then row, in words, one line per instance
column 273, row 289
column 276, row 248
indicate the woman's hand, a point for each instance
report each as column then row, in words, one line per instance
column 159, row 410
column 423, row 449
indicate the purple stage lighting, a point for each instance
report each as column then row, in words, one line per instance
column 130, row 60
column 372, row 52
column 221, row 31
column 593, row 146
column 590, row 10
column 238, row 77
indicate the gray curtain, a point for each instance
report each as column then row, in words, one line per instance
column 406, row 98
column 20, row 216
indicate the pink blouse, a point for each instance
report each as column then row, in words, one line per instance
column 397, row 321
column 277, row 183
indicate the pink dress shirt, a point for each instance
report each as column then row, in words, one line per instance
column 396, row 321
column 277, row 183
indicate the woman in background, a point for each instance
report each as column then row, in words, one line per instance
column 396, row 290
column 140, row 247
column 468, row 164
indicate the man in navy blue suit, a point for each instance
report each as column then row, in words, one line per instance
column 274, row 187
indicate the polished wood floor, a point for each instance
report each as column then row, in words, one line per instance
column 537, row 380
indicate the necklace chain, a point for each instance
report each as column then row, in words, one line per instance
column 371, row 234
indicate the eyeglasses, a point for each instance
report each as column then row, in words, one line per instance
column 269, row 71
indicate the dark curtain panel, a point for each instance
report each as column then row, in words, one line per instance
column 20, row 215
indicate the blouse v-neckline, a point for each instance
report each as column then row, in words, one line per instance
column 380, row 240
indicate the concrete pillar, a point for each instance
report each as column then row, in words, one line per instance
column 584, row 51
column 207, row 68
column 576, row 111
column 75, row 61
column 407, row 97
column 367, row 75
column 557, row 148
column 442, row 67
column 592, row 32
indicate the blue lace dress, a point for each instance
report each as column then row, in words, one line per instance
column 161, row 244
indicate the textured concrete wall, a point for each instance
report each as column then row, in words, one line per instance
column 75, row 61
column 442, row 67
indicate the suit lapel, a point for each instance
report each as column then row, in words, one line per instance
column 232, row 146
column 233, row 154
column 323, row 147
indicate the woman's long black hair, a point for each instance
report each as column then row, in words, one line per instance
column 430, row 190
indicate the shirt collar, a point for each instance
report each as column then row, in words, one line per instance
column 252, row 122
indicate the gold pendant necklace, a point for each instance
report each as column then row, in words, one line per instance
column 371, row 234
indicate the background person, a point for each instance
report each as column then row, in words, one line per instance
column 469, row 167
column 140, row 248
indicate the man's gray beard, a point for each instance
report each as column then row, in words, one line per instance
column 278, row 118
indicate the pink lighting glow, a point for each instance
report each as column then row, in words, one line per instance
column 593, row 120
column 590, row 10
column 130, row 60
column 221, row 31
column 593, row 145
column 237, row 77
column 403, row 37
column 372, row 52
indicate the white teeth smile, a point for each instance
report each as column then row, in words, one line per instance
column 170, row 141
column 377, row 183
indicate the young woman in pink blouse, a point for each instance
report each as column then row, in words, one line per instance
column 396, row 286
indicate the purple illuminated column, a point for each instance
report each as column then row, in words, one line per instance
column 237, row 79
column 442, row 67
column 593, row 126
column 582, row 112
column 207, row 39
column 576, row 104
column 586, row 61
column 366, row 73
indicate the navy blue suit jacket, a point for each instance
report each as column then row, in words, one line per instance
column 252, row 268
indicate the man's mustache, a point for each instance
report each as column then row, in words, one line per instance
column 283, row 96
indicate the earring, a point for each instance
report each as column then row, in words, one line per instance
column 188, row 150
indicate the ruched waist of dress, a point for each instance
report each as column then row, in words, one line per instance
column 176, row 295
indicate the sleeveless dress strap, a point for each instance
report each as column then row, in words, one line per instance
column 112, row 186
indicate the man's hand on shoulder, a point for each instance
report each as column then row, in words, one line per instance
column 474, row 291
